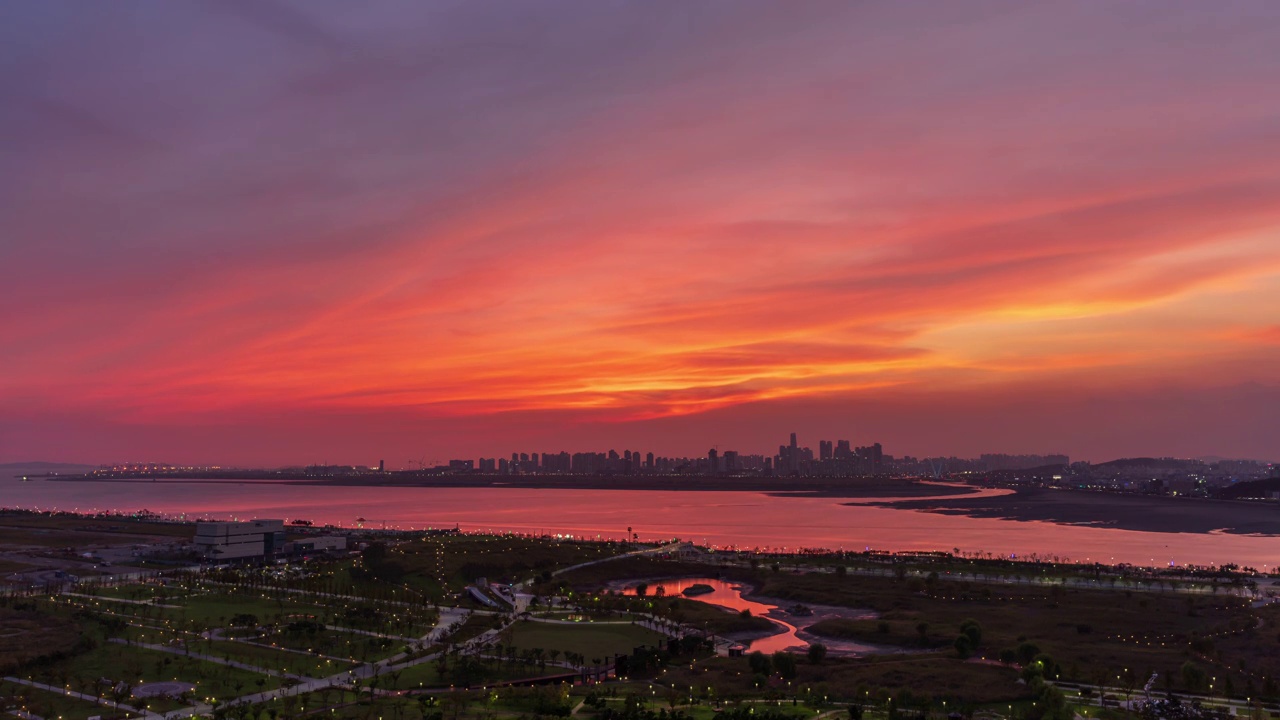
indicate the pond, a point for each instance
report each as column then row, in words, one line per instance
column 736, row 596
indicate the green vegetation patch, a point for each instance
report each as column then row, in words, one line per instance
column 854, row 680
column 269, row 658
column 218, row 609
column 28, row 635
column 126, row 667
column 461, row 671
column 335, row 643
column 592, row 640
column 450, row 562
column 48, row 704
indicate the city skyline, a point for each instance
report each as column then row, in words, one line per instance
column 278, row 230
column 561, row 461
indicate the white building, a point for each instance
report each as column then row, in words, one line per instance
column 239, row 540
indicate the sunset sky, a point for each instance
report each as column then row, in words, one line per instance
column 274, row 231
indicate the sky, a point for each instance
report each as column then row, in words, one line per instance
column 272, row 231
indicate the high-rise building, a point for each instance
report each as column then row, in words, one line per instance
column 871, row 457
column 713, row 461
column 824, row 449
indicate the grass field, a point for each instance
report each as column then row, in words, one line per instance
column 272, row 659
column 33, row 530
column 136, row 665
column 217, row 609
column 337, row 643
column 452, row 561
column 26, row 634
column 851, row 680
column 50, row 705
column 428, row 675
column 104, row 525
column 593, row 640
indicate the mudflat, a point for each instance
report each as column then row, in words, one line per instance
column 1144, row 513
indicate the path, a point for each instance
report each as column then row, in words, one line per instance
column 634, row 553
column 127, row 601
column 211, row 658
column 83, row 696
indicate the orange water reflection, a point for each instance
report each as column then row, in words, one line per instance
column 730, row 595
column 742, row 519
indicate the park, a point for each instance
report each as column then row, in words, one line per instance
column 446, row 626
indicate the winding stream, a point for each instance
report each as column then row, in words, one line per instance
column 734, row 596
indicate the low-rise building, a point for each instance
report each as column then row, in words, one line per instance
column 224, row 541
column 320, row 544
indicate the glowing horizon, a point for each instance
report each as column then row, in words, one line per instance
column 413, row 230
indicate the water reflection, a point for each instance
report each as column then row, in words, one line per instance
column 732, row 595
column 729, row 595
column 723, row 518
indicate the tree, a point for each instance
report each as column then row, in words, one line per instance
column 973, row 630
column 817, row 653
column 785, row 663
column 759, row 663
column 1048, row 666
column 1027, row 651
column 923, row 630
column 963, row 646
column 1192, row 676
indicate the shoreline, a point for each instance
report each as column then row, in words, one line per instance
column 871, row 488
column 1106, row 510
column 1056, row 506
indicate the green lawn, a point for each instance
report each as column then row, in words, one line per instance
column 50, row 705
column 337, row 643
column 271, row 658
column 593, row 640
column 122, row 663
column 427, row 675
column 845, row 680
column 217, row 609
